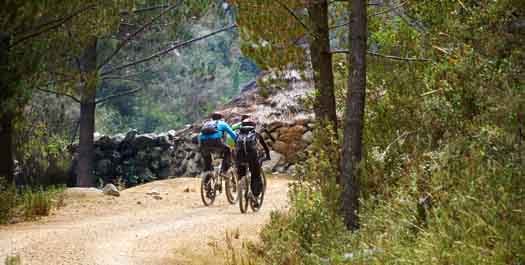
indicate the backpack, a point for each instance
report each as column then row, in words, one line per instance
column 210, row 127
column 246, row 143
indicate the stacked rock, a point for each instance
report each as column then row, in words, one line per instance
column 138, row 158
column 289, row 139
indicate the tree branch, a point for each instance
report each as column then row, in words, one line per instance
column 167, row 50
column 134, row 34
column 145, row 9
column 388, row 10
column 403, row 135
column 45, row 28
column 59, row 93
column 130, row 92
column 399, row 58
column 371, row 15
column 294, row 15
column 392, row 57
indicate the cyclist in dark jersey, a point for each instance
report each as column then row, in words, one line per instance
column 248, row 153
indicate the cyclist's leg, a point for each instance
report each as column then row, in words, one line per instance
column 226, row 157
column 241, row 169
column 206, row 157
column 255, row 170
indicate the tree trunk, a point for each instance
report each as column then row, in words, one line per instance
column 6, row 116
column 354, row 116
column 6, row 152
column 87, row 117
column 322, row 62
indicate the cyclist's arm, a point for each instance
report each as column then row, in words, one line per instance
column 264, row 145
column 236, row 126
column 228, row 129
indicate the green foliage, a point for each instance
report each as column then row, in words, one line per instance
column 321, row 166
column 41, row 142
column 27, row 202
column 307, row 234
column 182, row 87
column 475, row 215
column 270, row 34
column 443, row 164
column 13, row 260
column 8, row 201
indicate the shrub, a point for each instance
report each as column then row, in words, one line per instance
column 475, row 215
column 27, row 202
column 307, row 234
column 13, row 260
column 39, row 202
column 8, row 201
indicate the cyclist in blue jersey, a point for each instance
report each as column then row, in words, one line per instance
column 211, row 140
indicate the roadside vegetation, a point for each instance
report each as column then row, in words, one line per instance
column 27, row 203
column 442, row 169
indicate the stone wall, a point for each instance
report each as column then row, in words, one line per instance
column 288, row 141
column 137, row 158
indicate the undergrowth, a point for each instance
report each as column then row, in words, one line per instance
column 460, row 203
column 13, row 260
column 28, row 203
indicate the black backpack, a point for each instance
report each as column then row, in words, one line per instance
column 246, row 143
column 210, row 127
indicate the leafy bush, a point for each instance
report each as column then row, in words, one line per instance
column 42, row 155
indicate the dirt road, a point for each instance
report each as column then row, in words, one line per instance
column 137, row 228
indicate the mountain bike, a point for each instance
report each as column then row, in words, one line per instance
column 245, row 194
column 211, row 185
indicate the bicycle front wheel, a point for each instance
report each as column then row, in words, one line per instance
column 231, row 187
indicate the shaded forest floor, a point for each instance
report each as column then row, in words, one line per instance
column 137, row 228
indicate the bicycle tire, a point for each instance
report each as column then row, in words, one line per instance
column 260, row 198
column 208, row 194
column 231, row 186
column 242, row 195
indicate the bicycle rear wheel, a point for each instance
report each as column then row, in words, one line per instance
column 208, row 192
column 242, row 194
column 231, row 186
column 256, row 202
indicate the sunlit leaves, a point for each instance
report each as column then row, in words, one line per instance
column 270, row 35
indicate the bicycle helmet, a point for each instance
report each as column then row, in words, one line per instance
column 248, row 122
column 216, row 116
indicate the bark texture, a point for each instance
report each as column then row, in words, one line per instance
column 354, row 116
column 87, row 117
column 322, row 62
column 6, row 116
